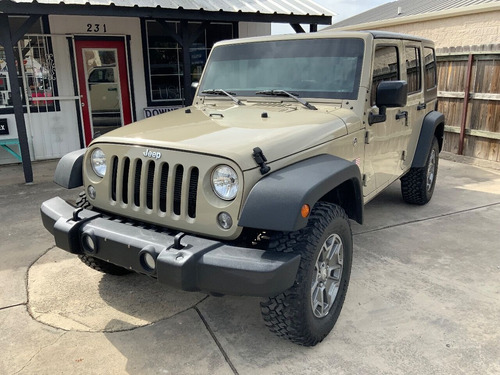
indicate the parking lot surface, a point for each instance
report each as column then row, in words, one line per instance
column 424, row 297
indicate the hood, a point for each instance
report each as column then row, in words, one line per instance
column 279, row 129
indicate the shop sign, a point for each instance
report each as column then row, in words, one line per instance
column 153, row 111
column 4, row 128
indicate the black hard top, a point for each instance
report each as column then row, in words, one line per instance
column 390, row 35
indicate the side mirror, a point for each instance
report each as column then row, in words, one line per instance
column 392, row 94
column 389, row 94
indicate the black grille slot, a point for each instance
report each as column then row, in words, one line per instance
column 126, row 168
column 193, row 191
column 163, row 187
column 149, row 186
column 179, row 172
column 137, row 183
column 114, row 169
column 156, row 187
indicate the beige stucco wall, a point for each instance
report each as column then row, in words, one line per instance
column 474, row 29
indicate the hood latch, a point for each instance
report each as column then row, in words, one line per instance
column 260, row 159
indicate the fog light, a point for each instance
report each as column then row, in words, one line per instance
column 147, row 258
column 149, row 261
column 91, row 192
column 225, row 220
column 89, row 242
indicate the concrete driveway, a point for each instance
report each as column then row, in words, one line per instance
column 424, row 297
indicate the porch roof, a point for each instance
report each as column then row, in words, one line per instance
column 280, row 11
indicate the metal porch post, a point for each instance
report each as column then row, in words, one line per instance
column 6, row 40
column 186, row 44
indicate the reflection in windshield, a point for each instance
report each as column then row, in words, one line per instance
column 315, row 68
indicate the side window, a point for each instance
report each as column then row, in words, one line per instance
column 430, row 68
column 385, row 67
column 413, row 69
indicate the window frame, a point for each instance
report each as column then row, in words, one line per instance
column 420, row 85
column 435, row 80
column 373, row 88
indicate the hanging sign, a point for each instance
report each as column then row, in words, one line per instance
column 153, row 111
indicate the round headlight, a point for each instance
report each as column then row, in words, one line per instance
column 98, row 162
column 225, row 182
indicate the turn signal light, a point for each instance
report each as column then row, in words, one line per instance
column 305, row 211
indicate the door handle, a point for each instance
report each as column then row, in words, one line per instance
column 421, row 106
column 401, row 114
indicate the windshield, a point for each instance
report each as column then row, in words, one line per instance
column 311, row 68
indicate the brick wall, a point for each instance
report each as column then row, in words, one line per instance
column 474, row 29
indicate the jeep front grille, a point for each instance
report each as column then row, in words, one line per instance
column 155, row 186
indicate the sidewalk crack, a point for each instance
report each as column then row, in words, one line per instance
column 38, row 352
column 426, row 219
column 216, row 340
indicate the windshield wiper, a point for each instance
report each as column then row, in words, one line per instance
column 223, row 92
column 289, row 94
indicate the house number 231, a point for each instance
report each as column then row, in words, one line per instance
column 96, row 28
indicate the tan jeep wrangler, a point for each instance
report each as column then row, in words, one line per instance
column 250, row 190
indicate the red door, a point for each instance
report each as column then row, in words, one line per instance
column 104, row 89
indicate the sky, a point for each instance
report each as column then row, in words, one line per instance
column 343, row 8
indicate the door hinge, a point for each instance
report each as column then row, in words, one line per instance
column 368, row 137
column 365, row 179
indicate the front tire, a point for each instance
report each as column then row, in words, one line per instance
column 306, row 313
column 417, row 186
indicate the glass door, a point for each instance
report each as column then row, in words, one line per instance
column 104, row 91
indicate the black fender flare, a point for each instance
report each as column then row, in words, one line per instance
column 69, row 172
column 275, row 202
column 432, row 126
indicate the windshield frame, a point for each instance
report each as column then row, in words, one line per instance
column 287, row 51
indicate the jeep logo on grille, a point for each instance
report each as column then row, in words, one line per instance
column 152, row 154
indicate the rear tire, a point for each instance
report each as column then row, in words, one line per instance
column 306, row 313
column 417, row 186
column 94, row 263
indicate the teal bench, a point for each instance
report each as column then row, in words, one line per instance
column 6, row 143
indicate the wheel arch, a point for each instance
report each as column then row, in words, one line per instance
column 69, row 170
column 275, row 202
column 432, row 126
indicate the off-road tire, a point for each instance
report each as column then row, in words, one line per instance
column 290, row 314
column 94, row 263
column 417, row 186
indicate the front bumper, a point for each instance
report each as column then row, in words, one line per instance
column 192, row 263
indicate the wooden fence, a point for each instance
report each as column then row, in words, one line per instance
column 469, row 97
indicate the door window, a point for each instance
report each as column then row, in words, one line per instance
column 430, row 68
column 385, row 67
column 103, row 89
column 413, row 69
column 103, row 83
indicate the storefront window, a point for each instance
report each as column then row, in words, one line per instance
column 166, row 65
column 34, row 67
